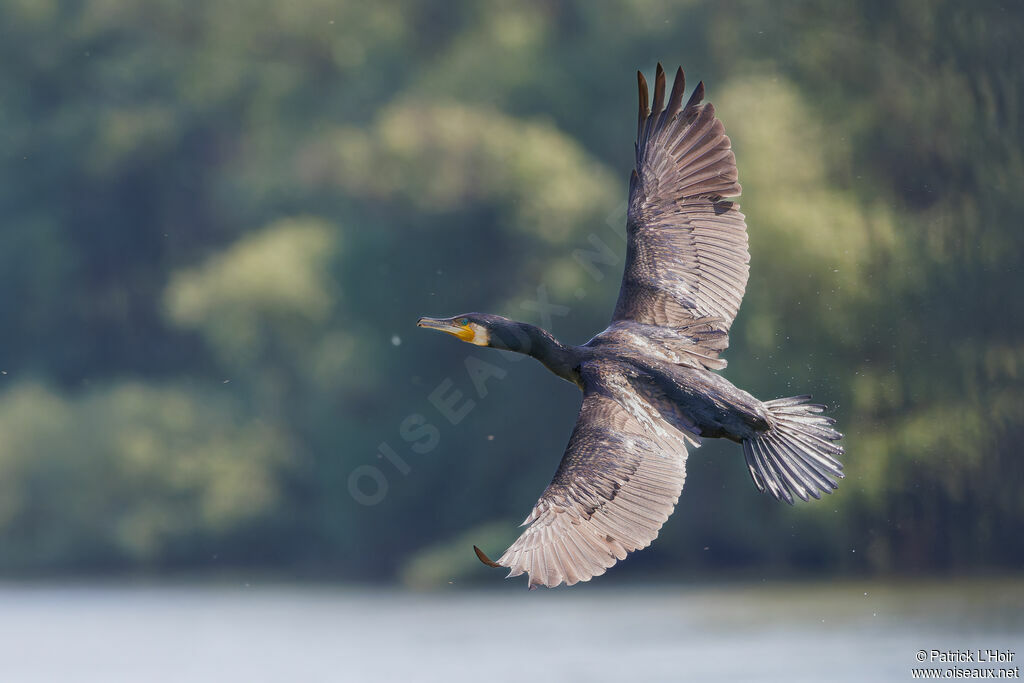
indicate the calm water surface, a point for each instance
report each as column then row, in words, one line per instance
column 763, row 632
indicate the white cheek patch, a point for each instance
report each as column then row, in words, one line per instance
column 481, row 337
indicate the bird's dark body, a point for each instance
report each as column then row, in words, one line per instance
column 707, row 404
column 717, row 407
column 649, row 384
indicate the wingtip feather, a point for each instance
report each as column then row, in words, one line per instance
column 641, row 83
column 482, row 556
column 697, row 97
column 675, row 99
column 659, row 91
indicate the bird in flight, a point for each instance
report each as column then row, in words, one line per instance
column 649, row 390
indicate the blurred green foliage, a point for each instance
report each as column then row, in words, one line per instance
column 221, row 221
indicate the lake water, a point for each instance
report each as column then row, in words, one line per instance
column 751, row 632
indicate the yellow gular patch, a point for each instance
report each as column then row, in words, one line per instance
column 466, row 333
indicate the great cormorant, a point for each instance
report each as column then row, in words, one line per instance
column 647, row 380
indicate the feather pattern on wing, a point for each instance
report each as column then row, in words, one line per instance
column 618, row 482
column 687, row 252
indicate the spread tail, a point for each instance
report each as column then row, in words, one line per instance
column 795, row 456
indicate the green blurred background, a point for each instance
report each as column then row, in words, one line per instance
column 220, row 221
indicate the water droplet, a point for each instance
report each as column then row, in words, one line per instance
column 396, row 340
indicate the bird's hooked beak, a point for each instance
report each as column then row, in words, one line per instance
column 449, row 325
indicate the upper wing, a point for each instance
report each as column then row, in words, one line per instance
column 687, row 253
column 618, row 482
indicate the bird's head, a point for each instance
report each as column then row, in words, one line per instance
column 481, row 329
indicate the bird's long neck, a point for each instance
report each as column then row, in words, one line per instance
column 540, row 344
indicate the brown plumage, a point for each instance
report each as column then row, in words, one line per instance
column 648, row 389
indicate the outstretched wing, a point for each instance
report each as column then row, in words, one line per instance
column 687, row 252
column 618, row 482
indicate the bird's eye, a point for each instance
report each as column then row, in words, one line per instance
column 463, row 321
